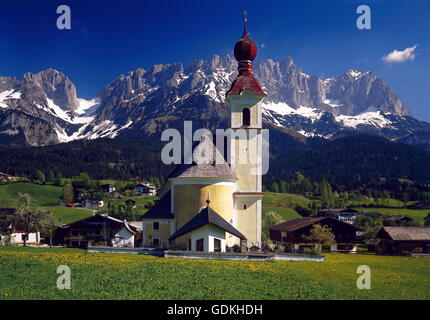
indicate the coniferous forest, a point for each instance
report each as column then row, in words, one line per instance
column 352, row 163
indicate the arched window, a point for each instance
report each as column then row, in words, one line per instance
column 246, row 117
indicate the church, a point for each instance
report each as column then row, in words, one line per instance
column 214, row 206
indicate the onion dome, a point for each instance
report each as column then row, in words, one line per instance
column 245, row 48
column 245, row 52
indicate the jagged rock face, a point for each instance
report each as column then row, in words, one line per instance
column 56, row 86
column 142, row 103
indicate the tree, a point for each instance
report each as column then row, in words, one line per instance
column 371, row 228
column 271, row 218
column 39, row 177
column 48, row 227
column 68, row 193
column 30, row 220
column 50, row 178
column 304, row 211
column 427, row 220
column 322, row 235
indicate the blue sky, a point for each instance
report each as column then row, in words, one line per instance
column 109, row 38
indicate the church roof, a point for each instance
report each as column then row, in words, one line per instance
column 216, row 167
column 246, row 82
column 161, row 209
column 205, row 217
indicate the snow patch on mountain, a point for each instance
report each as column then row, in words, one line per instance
column 284, row 109
column 333, row 103
column 372, row 118
column 8, row 94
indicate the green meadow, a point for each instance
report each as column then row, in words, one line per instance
column 43, row 196
column 30, row 273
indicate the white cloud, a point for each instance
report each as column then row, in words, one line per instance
column 400, row 56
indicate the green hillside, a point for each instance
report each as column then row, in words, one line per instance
column 44, row 196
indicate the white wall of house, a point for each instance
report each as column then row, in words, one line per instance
column 33, row 238
column 333, row 247
column 208, row 233
column 123, row 238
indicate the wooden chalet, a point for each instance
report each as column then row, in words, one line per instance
column 404, row 240
column 145, row 189
column 99, row 229
column 294, row 233
column 107, row 188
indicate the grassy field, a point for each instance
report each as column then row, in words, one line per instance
column 30, row 273
column 44, row 196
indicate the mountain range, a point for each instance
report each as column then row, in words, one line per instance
column 43, row 108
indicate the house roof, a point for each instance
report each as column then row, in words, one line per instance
column 140, row 184
column 298, row 223
column 406, row 233
column 207, row 216
column 161, row 209
column 216, row 167
column 130, row 227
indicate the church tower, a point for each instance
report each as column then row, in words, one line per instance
column 245, row 158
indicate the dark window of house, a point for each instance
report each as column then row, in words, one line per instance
column 217, row 245
column 156, row 226
column 246, row 117
column 155, row 242
column 74, row 233
column 199, row 245
column 245, row 207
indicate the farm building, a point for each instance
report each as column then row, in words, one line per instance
column 107, row 188
column 145, row 189
column 294, row 233
column 92, row 203
column 341, row 214
column 404, row 240
column 99, row 229
column 13, row 233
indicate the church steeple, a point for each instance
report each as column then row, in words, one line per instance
column 245, row 51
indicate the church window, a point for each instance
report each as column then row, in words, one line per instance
column 246, row 117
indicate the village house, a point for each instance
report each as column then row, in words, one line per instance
column 107, row 188
column 145, row 189
column 13, row 233
column 341, row 214
column 7, row 177
column 404, row 240
column 92, row 203
column 294, row 233
column 99, row 229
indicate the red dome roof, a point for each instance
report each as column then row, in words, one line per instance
column 245, row 48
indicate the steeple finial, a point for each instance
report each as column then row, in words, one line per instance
column 245, row 20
